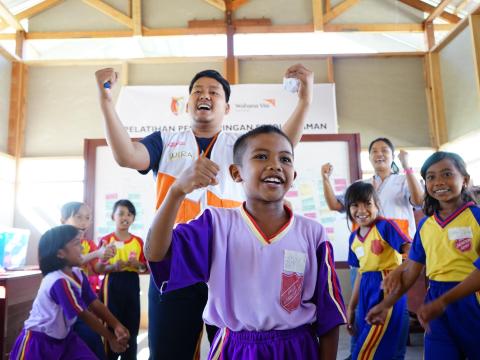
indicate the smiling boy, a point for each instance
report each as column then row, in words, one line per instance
column 273, row 291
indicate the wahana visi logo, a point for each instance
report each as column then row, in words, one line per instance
column 263, row 104
column 177, row 105
column 271, row 102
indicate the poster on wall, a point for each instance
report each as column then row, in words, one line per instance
column 110, row 182
column 145, row 109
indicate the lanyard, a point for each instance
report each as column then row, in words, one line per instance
column 209, row 146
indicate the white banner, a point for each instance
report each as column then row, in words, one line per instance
column 145, row 109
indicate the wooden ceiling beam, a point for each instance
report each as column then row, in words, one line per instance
column 111, row 12
column 7, row 55
column 219, row 4
column 237, row 3
column 34, row 10
column 221, row 23
column 462, row 25
column 9, row 18
column 242, row 26
column 438, row 10
column 338, row 10
column 37, row 9
column 383, row 27
column 427, row 8
column 461, row 6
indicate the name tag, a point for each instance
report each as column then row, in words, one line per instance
column 294, row 261
column 119, row 244
column 360, row 252
column 460, row 233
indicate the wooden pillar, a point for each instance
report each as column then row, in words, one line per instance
column 429, row 32
column 435, row 103
column 137, row 17
column 16, row 121
column 19, row 41
column 475, row 31
column 124, row 74
column 330, row 70
column 317, row 11
column 231, row 63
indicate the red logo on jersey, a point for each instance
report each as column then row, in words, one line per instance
column 463, row 244
column 291, row 291
column 376, row 247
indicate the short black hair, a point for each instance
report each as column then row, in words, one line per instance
column 360, row 192
column 241, row 143
column 70, row 209
column 430, row 204
column 49, row 245
column 127, row 203
column 214, row 75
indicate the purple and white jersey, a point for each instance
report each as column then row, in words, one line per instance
column 255, row 283
column 59, row 300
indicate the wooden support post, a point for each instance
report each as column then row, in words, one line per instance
column 328, row 5
column 317, row 11
column 137, row 17
column 429, row 35
column 16, row 121
column 330, row 72
column 436, row 108
column 231, row 63
column 124, row 74
column 19, row 41
column 475, row 31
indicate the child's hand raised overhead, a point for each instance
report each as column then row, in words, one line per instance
column 202, row 173
column 326, row 171
column 305, row 76
column 106, row 79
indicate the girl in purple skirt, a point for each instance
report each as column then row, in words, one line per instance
column 64, row 296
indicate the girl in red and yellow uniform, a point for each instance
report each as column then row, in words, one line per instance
column 121, row 286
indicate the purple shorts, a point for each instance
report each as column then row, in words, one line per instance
column 298, row 343
column 34, row 345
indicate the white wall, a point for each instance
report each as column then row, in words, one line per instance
column 460, row 93
column 7, row 189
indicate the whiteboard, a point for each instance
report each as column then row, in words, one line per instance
column 106, row 182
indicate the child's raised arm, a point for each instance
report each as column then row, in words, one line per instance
column 201, row 174
column 328, row 193
column 293, row 127
column 127, row 153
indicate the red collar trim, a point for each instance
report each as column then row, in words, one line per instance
column 452, row 216
column 268, row 239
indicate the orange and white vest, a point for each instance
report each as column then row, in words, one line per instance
column 180, row 151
